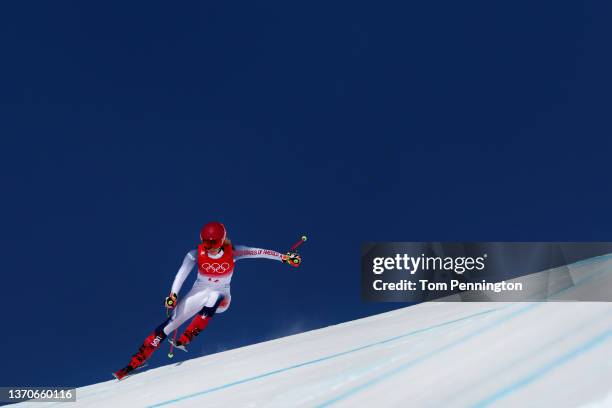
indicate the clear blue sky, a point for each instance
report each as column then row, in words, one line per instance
column 127, row 125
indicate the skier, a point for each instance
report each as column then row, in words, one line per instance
column 210, row 293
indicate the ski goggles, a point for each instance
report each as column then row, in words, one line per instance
column 212, row 243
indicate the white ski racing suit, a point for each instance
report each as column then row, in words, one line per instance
column 213, row 282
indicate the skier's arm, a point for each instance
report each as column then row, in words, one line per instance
column 184, row 270
column 243, row 252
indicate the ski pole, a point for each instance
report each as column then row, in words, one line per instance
column 300, row 242
column 170, row 354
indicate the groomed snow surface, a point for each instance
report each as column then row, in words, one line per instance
column 429, row 355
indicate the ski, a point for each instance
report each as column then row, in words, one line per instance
column 125, row 372
column 176, row 345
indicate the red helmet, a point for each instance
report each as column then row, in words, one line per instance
column 213, row 235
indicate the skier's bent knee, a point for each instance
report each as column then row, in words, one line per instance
column 210, row 311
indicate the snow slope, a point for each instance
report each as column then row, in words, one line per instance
column 430, row 355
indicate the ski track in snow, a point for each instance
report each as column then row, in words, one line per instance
column 333, row 356
column 433, row 354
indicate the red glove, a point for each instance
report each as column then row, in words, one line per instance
column 292, row 259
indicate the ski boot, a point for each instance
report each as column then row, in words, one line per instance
column 198, row 324
column 124, row 372
column 151, row 343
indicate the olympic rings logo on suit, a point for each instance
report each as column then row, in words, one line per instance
column 215, row 267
